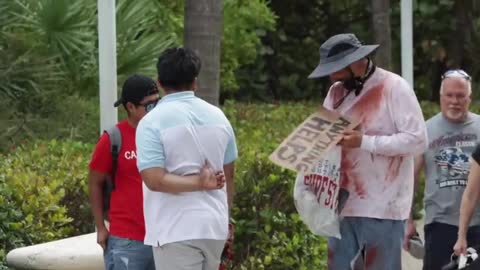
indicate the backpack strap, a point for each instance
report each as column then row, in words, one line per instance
column 115, row 146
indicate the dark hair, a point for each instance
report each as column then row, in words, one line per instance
column 177, row 68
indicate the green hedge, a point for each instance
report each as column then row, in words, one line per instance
column 43, row 191
column 269, row 233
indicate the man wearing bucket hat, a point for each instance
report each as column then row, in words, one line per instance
column 377, row 157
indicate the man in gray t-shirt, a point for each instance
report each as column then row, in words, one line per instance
column 452, row 136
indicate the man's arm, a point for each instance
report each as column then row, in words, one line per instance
column 410, row 229
column 411, row 137
column 96, row 180
column 157, row 179
column 469, row 201
column 417, row 169
column 229, row 170
column 470, row 198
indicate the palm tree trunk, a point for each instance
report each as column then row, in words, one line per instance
column 202, row 33
column 456, row 45
column 458, row 38
column 382, row 32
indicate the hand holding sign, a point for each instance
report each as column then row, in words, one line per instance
column 351, row 139
column 309, row 142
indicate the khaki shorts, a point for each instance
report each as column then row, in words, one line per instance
column 201, row 254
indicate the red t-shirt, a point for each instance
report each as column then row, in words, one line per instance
column 126, row 202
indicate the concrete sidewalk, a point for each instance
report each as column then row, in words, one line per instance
column 409, row 262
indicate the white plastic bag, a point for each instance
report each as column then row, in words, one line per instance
column 316, row 195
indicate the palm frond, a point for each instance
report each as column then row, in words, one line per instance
column 64, row 25
column 138, row 47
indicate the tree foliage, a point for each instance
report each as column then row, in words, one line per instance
column 446, row 36
column 48, row 55
column 48, row 59
column 445, row 33
column 244, row 24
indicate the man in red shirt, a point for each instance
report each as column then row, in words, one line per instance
column 122, row 242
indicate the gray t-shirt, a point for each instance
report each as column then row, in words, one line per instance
column 450, row 145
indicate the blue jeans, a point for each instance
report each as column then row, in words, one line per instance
column 367, row 244
column 127, row 254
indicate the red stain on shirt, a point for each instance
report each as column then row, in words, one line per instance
column 368, row 104
column 345, row 169
column 350, row 180
column 394, row 165
column 360, row 189
column 366, row 108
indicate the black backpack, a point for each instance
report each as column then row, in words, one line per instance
column 109, row 186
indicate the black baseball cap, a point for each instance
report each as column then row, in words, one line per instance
column 135, row 88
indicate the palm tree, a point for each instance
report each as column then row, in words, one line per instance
column 48, row 48
column 139, row 40
column 203, row 33
column 380, row 10
column 25, row 61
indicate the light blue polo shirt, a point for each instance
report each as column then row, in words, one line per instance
column 179, row 134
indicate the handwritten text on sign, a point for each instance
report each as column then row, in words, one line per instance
column 309, row 142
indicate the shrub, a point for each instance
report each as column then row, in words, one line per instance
column 50, row 117
column 269, row 233
column 43, row 193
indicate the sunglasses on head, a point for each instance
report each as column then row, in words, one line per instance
column 456, row 73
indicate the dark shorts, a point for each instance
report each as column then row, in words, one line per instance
column 439, row 241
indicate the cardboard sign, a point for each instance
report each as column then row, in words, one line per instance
column 309, row 142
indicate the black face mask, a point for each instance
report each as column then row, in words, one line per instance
column 356, row 83
column 353, row 84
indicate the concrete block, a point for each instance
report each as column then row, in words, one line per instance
column 75, row 253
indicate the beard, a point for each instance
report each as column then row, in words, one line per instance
column 455, row 115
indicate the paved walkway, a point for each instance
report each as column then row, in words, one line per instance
column 409, row 262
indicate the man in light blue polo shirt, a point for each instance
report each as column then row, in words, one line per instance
column 186, row 210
